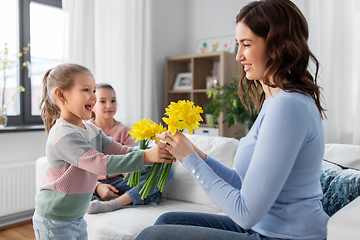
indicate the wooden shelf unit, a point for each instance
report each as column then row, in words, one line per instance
column 201, row 66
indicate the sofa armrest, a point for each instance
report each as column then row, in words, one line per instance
column 344, row 224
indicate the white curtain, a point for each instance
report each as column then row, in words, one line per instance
column 334, row 39
column 112, row 39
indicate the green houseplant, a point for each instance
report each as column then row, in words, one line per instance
column 225, row 99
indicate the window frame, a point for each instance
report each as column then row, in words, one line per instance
column 25, row 117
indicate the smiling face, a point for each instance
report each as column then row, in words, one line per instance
column 79, row 100
column 251, row 53
column 106, row 104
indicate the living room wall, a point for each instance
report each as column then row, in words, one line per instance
column 210, row 18
column 19, row 151
column 177, row 27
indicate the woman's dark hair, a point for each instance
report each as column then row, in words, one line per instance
column 285, row 31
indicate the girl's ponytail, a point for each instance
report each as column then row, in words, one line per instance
column 62, row 77
column 49, row 111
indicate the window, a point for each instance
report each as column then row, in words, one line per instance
column 40, row 23
column 46, row 46
column 9, row 36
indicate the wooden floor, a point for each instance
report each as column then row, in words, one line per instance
column 19, row 231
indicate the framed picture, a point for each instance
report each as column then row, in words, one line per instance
column 215, row 44
column 183, row 81
column 211, row 82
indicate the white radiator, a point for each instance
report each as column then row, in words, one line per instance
column 17, row 188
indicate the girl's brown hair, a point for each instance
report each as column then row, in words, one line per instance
column 285, row 31
column 61, row 77
column 104, row 85
column 100, row 86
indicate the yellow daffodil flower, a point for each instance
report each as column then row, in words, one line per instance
column 146, row 129
column 182, row 115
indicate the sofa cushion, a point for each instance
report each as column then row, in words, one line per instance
column 347, row 155
column 128, row 222
column 184, row 187
column 340, row 186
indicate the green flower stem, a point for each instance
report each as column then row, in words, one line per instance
column 160, row 173
column 134, row 179
column 165, row 177
column 151, row 170
column 159, row 170
column 162, row 177
column 143, row 144
column 147, row 179
column 147, row 186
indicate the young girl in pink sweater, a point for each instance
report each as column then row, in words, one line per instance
column 112, row 192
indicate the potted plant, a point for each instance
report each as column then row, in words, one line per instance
column 225, row 99
column 212, row 111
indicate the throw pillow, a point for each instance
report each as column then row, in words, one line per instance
column 344, row 188
column 329, row 171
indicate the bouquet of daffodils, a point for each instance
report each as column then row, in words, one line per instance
column 181, row 115
column 144, row 131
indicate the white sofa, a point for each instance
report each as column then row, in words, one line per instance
column 183, row 194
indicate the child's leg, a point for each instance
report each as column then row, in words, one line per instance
column 97, row 206
column 53, row 229
column 118, row 182
column 131, row 196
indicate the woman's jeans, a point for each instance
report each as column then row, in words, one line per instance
column 192, row 225
column 59, row 230
column 121, row 185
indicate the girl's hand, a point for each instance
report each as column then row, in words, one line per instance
column 106, row 192
column 156, row 154
column 178, row 145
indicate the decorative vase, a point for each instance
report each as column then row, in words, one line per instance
column 3, row 117
column 209, row 121
column 207, row 118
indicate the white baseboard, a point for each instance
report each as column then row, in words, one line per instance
column 15, row 218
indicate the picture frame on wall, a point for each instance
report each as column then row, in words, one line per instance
column 211, row 82
column 183, row 81
column 222, row 43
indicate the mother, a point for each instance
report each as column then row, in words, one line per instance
column 274, row 191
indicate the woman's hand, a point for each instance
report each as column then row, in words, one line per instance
column 156, row 154
column 106, row 192
column 178, row 145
